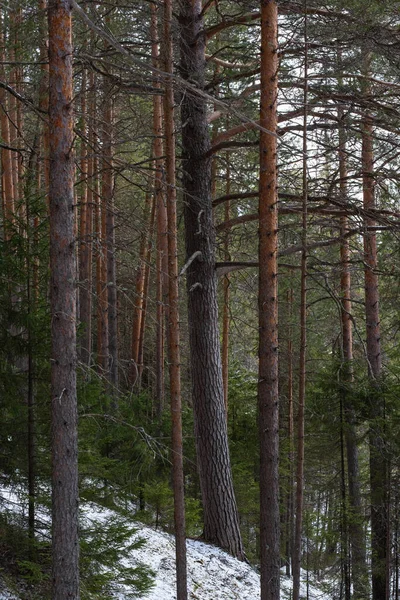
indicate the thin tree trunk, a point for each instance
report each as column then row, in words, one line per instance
column 146, row 283
column 12, row 108
column 65, row 545
column 268, row 399
column 106, row 197
column 173, row 314
column 355, row 520
column 112, row 295
column 162, row 242
column 7, row 187
column 32, row 296
column 109, row 268
column 303, row 350
column 43, row 93
column 85, row 292
column 345, row 557
column 139, row 286
column 221, row 522
column 289, row 495
column 99, row 265
column 378, row 460
column 226, row 294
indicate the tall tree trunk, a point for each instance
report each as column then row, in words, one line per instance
column 290, row 432
column 112, row 295
column 226, row 295
column 13, row 106
column 162, row 242
column 221, row 522
column 105, row 201
column 146, row 283
column 268, row 399
column 378, row 459
column 85, row 292
column 43, row 93
column 65, row 546
column 7, row 183
column 355, row 517
column 173, row 314
column 139, row 286
column 303, row 349
column 109, row 274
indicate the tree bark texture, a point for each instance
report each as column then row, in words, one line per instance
column 226, row 296
column 355, row 517
column 65, row 546
column 268, row 401
column 7, row 182
column 221, row 523
column 173, row 329
column 85, row 270
column 297, row 549
column 378, row 459
column 105, row 200
column 162, row 242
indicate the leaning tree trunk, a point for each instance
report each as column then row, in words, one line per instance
column 65, row 546
column 221, row 522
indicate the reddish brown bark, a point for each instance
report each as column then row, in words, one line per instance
column 43, row 93
column 13, row 105
column 141, row 287
column 173, row 317
column 85, row 230
column 146, row 283
column 7, row 183
column 65, row 546
column 162, row 242
column 268, row 402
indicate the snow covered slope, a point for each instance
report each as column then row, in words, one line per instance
column 212, row 574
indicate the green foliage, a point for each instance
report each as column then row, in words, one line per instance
column 105, row 560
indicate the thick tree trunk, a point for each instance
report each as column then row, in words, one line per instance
column 65, row 546
column 268, row 400
column 173, row 314
column 221, row 522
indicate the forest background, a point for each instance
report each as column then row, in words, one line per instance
column 235, row 114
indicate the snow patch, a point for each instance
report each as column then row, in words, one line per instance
column 212, row 573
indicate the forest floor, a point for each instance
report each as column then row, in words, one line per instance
column 212, row 573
